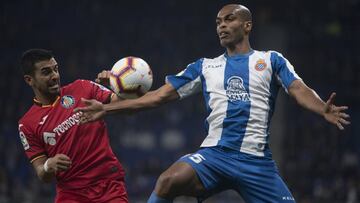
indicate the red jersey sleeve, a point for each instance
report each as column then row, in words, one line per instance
column 33, row 146
column 98, row 91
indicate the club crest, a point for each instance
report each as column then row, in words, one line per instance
column 67, row 101
column 260, row 65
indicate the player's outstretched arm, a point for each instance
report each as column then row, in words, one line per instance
column 95, row 110
column 307, row 98
column 46, row 168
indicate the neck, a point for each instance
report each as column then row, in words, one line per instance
column 45, row 99
column 242, row 47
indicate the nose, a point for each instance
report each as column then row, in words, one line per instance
column 222, row 24
column 55, row 75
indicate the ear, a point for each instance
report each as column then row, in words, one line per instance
column 248, row 26
column 29, row 80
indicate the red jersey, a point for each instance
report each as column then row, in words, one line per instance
column 54, row 129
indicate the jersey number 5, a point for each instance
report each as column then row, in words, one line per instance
column 197, row 158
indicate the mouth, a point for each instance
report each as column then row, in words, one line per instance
column 223, row 34
column 54, row 86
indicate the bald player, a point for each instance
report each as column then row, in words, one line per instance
column 239, row 88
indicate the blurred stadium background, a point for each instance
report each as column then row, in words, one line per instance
column 321, row 39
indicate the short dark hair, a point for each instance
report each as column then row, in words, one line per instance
column 32, row 56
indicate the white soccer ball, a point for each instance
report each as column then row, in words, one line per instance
column 131, row 77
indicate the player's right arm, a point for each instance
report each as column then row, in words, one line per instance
column 95, row 110
column 46, row 168
column 181, row 85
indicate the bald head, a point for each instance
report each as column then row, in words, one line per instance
column 238, row 9
column 233, row 26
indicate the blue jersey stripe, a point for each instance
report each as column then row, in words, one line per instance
column 281, row 68
column 189, row 74
column 238, row 110
column 206, row 98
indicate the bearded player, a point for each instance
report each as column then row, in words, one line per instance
column 79, row 157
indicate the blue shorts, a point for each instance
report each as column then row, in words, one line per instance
column 255, row 178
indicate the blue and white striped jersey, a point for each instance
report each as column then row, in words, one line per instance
column 239, row 93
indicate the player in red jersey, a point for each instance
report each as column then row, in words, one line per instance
column 79, row 157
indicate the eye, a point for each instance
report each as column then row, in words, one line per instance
column 230, row 18
column 46, row 72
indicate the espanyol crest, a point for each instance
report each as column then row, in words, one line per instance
column 67, row 101
column 235, row 90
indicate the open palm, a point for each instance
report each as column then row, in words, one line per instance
column 335, row 114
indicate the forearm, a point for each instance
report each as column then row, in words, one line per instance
column 307, row 97
column 43, row 175
column 150, row 100
column 311, row 100
column 133, row 105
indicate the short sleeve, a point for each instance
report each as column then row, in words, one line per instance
column 283, row 70
column 33, row 145
column 98, row 92
column 188, row 81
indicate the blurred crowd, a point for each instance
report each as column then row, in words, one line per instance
column 320, row 38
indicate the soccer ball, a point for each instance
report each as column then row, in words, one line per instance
column 130, row 77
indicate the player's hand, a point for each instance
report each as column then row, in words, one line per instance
column 94, row 110
column 103, row 78
column 58, row 163
column 335, row 114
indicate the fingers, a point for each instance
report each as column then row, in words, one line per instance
column 85, row 119
column 103, row 74
column 62, row 157
column 344, row 115
column 60, row 162
column 331, row 99
column 338, row 124
column 341, row 108
column 343, row 121
column 103, row 77
column 87, row 102
column 62, row 165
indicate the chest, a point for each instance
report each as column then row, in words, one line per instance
column 238, row 75
column 57, row 123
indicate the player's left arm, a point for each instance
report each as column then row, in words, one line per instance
column 309, row 99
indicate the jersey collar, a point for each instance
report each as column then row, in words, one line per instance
column 238, row 56
column 37, row 102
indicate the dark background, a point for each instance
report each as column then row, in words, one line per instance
column 320, row 38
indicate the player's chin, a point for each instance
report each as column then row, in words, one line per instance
column 54, row 91
column 225, row 43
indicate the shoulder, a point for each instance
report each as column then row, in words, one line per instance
column 213, row 62
column 275, row 54
column 76, row 83
column 217, row 58
column 30, row 117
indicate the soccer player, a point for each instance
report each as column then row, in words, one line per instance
column 239, row 89
column 79, row 157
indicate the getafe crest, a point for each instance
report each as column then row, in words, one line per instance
column 67, row 101
column 235, row 90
